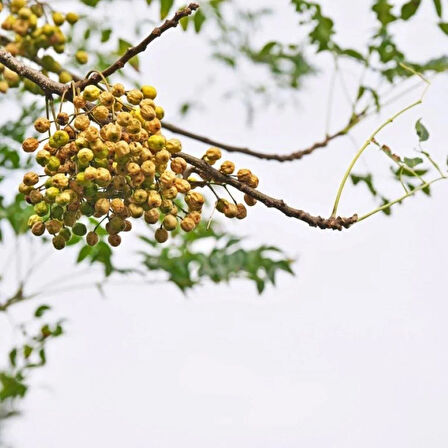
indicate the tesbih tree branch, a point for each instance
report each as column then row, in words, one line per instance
column 54, row 87
column 208, row 172
column 296, row 155
column 141, row 47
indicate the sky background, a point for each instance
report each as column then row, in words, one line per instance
column 350, row 352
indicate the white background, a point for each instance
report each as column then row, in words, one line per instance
column 351, row 352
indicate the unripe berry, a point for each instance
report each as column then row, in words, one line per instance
column 231, row 211
column 53, row 226
column 221, row 205
column 244, row 175
column 102, row 206
column 85, row 155
column 152, row 216
column 62, row 119
column 118, row 90
column 242, row 211
column 178, row 165
column 160, row 113
column 140, row 196
column 117, row 206
column 174, row 145
column 154, row 199
column 134, row 126
column 249, row 200
column 33, row 219
column 135, row 210
column 147, row 112
column 30, row 144
column 107, row 99
column 63, row 198
column 187, row 224
column 194, row 200
column 79, row 102
column 156, row 143
column 87, row 209
column 41, row 208
column 25, row 189
column 162, row 157
column 35, row 196
column 51, row 193
column 65, row 77
column 169, row 222
column 38, row 228
column 161, row 235
column 42, row 125
column 101, row 114
column 82, row 122
column 134, row 96
column 182, row 185
column 30, row 178
column 227, row 167
column 82, row 58
column 149, row 92
column 114, row 240
column 213, row 154
column 60, row 138
column 91, row 93
column 124, row 118
column 59, row 242
column 253, row 181
column 53, row 164
column 66, row 234
column 58, row 18
column 79, row 229
column 72, row 18
column 92, row 238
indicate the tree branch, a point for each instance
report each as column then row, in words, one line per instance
column 297, row 155
column 50, row 86
column 337, row 223
column 134, row 51
column 44, row 82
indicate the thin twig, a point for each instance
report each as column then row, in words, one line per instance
column 141, row 47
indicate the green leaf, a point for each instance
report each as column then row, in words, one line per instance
column 367, row 180
column 198, row 20
column 11, row 387
column 422, row 132
column 105, row 35
column 409, row 9
column 84, row 253
column 383, row 9
column 438, row 6
column 40, row 311
column 165, row 7
column 91, row 3
column 184, row 22
column 444, row 27
column 123, row 45
column 13, row 357
column 411, row 163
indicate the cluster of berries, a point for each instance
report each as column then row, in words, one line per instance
column 109, row 160
column 34, row 26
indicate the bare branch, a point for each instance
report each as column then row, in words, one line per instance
column 44, row 82
column 297, row 155
column 337, row 223
column 134, row 51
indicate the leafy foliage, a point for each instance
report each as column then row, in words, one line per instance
column 25, row 358
column 187, row 266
